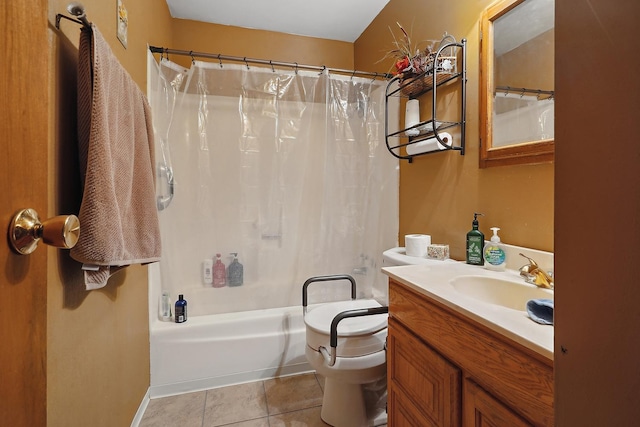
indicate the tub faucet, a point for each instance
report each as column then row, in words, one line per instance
column 363, row 269
column 532, row 273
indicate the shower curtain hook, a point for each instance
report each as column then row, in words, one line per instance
column 324, row 67
column 296, row 69
column 219, row 59
column 246, row 63
column 353, row 74
column 374, row 77
column 271, row 63
column 193, row 60
column 166, row 51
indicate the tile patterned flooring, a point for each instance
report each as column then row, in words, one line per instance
column 288, row 401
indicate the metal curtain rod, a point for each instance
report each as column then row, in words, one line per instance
column 522, row 91
column 295, row 65
column 76, row 9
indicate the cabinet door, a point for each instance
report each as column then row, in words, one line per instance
column 424, row 388
column 483, row 410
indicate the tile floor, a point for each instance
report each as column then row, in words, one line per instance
column 288, row 401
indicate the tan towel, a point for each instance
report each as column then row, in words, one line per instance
column 118, row 216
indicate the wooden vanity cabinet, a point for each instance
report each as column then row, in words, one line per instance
column 445, row 369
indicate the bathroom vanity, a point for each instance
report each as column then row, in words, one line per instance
column 455, row 361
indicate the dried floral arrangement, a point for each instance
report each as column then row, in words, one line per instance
column 409, row 58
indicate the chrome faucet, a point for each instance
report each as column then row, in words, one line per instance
column 532, row 273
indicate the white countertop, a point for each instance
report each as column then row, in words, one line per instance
column 433, row 282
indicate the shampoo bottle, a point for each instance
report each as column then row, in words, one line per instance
column 475, row 242
column 495, row 257
column 235, row 271
column 219, row 273
column 181, row 310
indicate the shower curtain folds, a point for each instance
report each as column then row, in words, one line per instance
column 287, row 168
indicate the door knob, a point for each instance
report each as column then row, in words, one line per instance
column 26, row 230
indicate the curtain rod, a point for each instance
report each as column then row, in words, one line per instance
column 523, row 90
column 295, row 65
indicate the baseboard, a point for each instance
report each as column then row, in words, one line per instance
column 141, row 409
column 227, row 380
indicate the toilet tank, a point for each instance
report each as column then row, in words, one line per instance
column 398, row 256
column 395, row 257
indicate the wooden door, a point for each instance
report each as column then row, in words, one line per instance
column 24, row 77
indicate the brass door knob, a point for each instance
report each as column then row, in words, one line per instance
column 26, row 230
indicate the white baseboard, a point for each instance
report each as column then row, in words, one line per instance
column 164, row 390
column 143, row 407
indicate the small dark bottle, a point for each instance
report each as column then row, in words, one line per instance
column 475, row 243
column 181, row 310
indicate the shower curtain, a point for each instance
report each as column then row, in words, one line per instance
column 288, row 169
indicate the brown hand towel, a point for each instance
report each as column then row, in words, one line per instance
column 118, row 216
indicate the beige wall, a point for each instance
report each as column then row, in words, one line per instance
column 440, row 192
column 98, row 341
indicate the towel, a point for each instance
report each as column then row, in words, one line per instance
column 118, row 212
column 541, row 310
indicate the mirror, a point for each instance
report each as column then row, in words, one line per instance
column 517, row 83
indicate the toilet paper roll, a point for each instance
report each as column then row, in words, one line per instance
column 412, row 117
column 431, row 144
column 416, row 244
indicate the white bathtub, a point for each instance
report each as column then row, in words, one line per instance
column 223, row 349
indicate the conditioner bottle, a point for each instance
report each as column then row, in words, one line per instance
column 235, row 271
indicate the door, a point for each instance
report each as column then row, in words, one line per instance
column 24, row 89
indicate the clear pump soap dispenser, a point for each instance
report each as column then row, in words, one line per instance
column 495, row 257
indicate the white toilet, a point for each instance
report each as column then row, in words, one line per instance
column 353, row 361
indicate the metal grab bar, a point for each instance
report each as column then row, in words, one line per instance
column 334, row 277
column 333, row 338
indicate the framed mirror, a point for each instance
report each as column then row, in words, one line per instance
column 517, row 83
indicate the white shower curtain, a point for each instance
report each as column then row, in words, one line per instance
column 288, row 169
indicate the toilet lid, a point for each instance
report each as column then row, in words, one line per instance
column 319, row 319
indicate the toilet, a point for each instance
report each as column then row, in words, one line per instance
column 353, row 360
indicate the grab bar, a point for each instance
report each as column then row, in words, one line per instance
column 163, row 201
column 326, row 279
column 333, row 339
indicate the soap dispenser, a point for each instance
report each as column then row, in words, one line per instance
column 219, row 273
column 475, row 242
column 495, row 257
column 235, row 271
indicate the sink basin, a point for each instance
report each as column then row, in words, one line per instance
column 506, row 293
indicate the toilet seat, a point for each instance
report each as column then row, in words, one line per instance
column 357, row 336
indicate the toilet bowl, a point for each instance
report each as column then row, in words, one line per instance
column 352, row 361
column 354, row 367
column 346, row 346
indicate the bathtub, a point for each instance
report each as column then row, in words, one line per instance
column 223, row 349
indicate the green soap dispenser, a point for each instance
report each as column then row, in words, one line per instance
column 475, row 242
column 495, row 257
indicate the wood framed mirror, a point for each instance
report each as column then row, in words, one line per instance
column 517, row 83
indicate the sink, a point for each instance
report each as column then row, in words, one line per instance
column 506, row 293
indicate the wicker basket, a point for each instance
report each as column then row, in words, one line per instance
column 446, row 65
